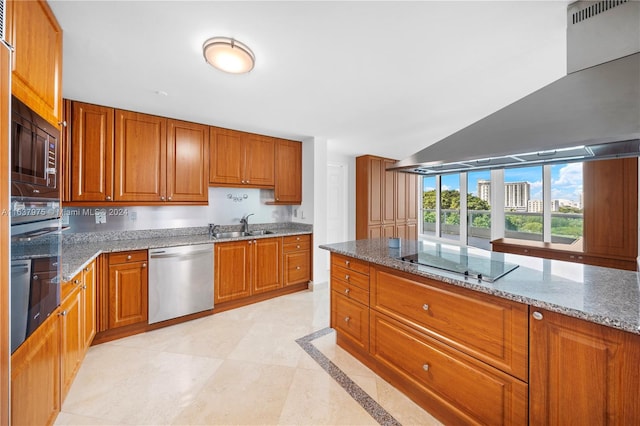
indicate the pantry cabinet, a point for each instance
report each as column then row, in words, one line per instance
column 130, row 158
column 34, row 32
column 386, row 201
column 127, row 289
column 241, row 159
column 581, row 372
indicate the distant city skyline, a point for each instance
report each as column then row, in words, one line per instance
column 566, row 181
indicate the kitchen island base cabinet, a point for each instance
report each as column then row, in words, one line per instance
column 458, row 389
column 582, row 373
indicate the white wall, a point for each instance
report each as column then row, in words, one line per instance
column 349, row 162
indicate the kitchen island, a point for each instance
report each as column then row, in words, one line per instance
column 550, row 342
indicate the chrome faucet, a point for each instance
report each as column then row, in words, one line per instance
column 245, row 222
column 213, row 228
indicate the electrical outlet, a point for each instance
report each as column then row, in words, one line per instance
column 101, row 216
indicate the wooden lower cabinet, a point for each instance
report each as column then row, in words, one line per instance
column 35, row 376
column 457, row 388
column 582, row 373
column 128, row 289
column 89, row 288
column 72, row 339
column 246, row 268
column 297, row 259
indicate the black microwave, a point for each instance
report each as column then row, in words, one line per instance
column 35, row 166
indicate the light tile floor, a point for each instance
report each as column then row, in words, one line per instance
column 237, row 367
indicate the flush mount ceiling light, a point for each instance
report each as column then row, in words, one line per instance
column 228, row 55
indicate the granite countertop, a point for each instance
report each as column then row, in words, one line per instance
column 78, row 250
column 604, row 296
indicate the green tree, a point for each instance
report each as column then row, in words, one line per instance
column 450, row 200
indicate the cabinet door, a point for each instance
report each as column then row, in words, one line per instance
column 187, row 162
column 259, row 160
column 351, row 320
column 35, row 376
column 226, row 160
column 389, row 199
column 89, row 304
column 401, row 197
column 36, row 80
column 611, row 207
column 581, row 373
column 92, row 148
column 266, row 265
column 128, row 294
column 411, row 198
column 140, row 157
column 232, row 272
column 71, row 331
column 288, row 185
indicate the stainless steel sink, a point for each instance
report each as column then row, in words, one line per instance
column 261, row 232
column 234, row 234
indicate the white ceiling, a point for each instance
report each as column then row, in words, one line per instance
column 385, row 78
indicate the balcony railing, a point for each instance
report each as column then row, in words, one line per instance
column 565, row 227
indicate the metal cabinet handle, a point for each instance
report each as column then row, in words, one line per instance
column 86, row 269
column 298, row 239
column 347, row 291
column 129, row 257
column 537, row 315
column 297, row 267
column 347, row 319
column 346, row 277
column 76, row 282
column 84, row 287
column 169, row 199
column 249, row 242
column 298, row 246
column 144, row 265
column 425, row 367
column 36, row 278
column 108, row 197
column 63, row 313
column 347, row 262
column 425, row 307
column 247, row 181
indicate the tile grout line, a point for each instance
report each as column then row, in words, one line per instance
column 370, row 405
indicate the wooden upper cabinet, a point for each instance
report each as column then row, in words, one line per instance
column 187, row 162
column 581, row 373
column 91, row 147
column 33, row 31
column 259, row 160
column 140, row 157
column 611, row 208
column 241, row 159
column 288, row 173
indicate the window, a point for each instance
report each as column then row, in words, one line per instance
column 541, row 203
column 566, row 203
column 479, row 209
column 523, row 203
column 450, row 207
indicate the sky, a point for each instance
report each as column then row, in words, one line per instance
column 566, row 180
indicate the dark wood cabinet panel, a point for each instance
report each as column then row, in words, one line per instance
column 140, row 157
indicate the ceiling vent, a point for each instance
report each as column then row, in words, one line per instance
column 595, row 9
column 2, row 13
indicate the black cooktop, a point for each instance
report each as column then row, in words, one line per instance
column 459, row 261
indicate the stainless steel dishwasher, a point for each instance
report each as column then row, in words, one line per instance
column 180, row 281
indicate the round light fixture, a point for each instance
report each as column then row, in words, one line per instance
column 228, row 55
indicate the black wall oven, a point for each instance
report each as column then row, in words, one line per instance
column 35, row 222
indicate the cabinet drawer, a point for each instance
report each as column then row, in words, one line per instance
column 349, row 277
column 296, row 246
column 351, row 291
column 492, row 329
column 127, row 257
column 470, row 390
column 295, row 239
column 351, row 320
column 350, row 263
column 67, row 287
column 296, row 267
